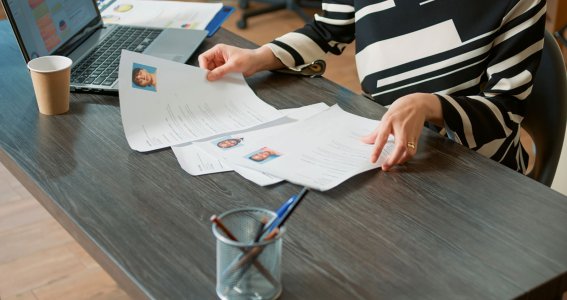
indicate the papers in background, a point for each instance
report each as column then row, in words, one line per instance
column 205, row 157
column 319, row 152
column 161, row 14
column 183, row 106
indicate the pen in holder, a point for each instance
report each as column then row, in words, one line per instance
column 258, row 278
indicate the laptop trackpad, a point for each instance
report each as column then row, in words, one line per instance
column 176, row 44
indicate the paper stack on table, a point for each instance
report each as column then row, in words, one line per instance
column 319, row 152
column 211, row 156
column 223, row 126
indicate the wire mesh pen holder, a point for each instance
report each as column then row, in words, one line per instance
column 247, row 269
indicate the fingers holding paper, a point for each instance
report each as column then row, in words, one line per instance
column 404, row 120
column 223, row 59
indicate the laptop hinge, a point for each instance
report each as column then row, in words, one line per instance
column 79, row 38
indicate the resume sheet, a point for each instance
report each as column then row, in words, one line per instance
column 209, row 156
column 319, row 152
column 196, row 161
column 165, row 103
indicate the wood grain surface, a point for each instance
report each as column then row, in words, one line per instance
column 450, row 224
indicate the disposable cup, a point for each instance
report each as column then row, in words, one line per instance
column 51, row 78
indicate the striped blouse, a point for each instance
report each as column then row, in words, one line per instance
column 477, row 56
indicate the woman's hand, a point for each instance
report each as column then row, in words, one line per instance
column 404, row 120
column 223, row 59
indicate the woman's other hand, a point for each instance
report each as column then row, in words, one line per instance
column 404, row 120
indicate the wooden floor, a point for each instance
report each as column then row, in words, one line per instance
column 40, row 260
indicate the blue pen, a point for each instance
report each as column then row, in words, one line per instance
column 246, row 260
column 280, row 221
column 275, row 222
column 279, row 214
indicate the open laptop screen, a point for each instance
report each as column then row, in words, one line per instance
column 45, row 25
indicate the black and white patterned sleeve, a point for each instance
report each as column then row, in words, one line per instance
column 489, row 123
column 329, row 32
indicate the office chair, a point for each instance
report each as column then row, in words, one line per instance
column 560, row 35
column 546, row 112
column 293, row 5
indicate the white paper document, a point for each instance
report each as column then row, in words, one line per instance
column 160, row 14
column 196, row 161
column 165, row 103
column 208, row 156
column 319, row 152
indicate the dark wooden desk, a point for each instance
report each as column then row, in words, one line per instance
column 449, row 225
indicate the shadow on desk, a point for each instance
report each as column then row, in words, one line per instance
column 55, row 156
column 57, row 136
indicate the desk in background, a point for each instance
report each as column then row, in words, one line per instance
column 450, row 224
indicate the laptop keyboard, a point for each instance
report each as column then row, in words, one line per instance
column 100, row 66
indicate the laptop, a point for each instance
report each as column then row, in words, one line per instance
column 74, row 28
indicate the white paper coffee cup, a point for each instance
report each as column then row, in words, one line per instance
column 51, row 77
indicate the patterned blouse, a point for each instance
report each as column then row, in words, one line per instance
column 477, row 56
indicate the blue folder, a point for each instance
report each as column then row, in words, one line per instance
column 218, row 19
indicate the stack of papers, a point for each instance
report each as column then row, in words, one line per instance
column 213, row 155
column 223, row 126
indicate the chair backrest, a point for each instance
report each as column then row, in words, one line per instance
column 546, row 113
